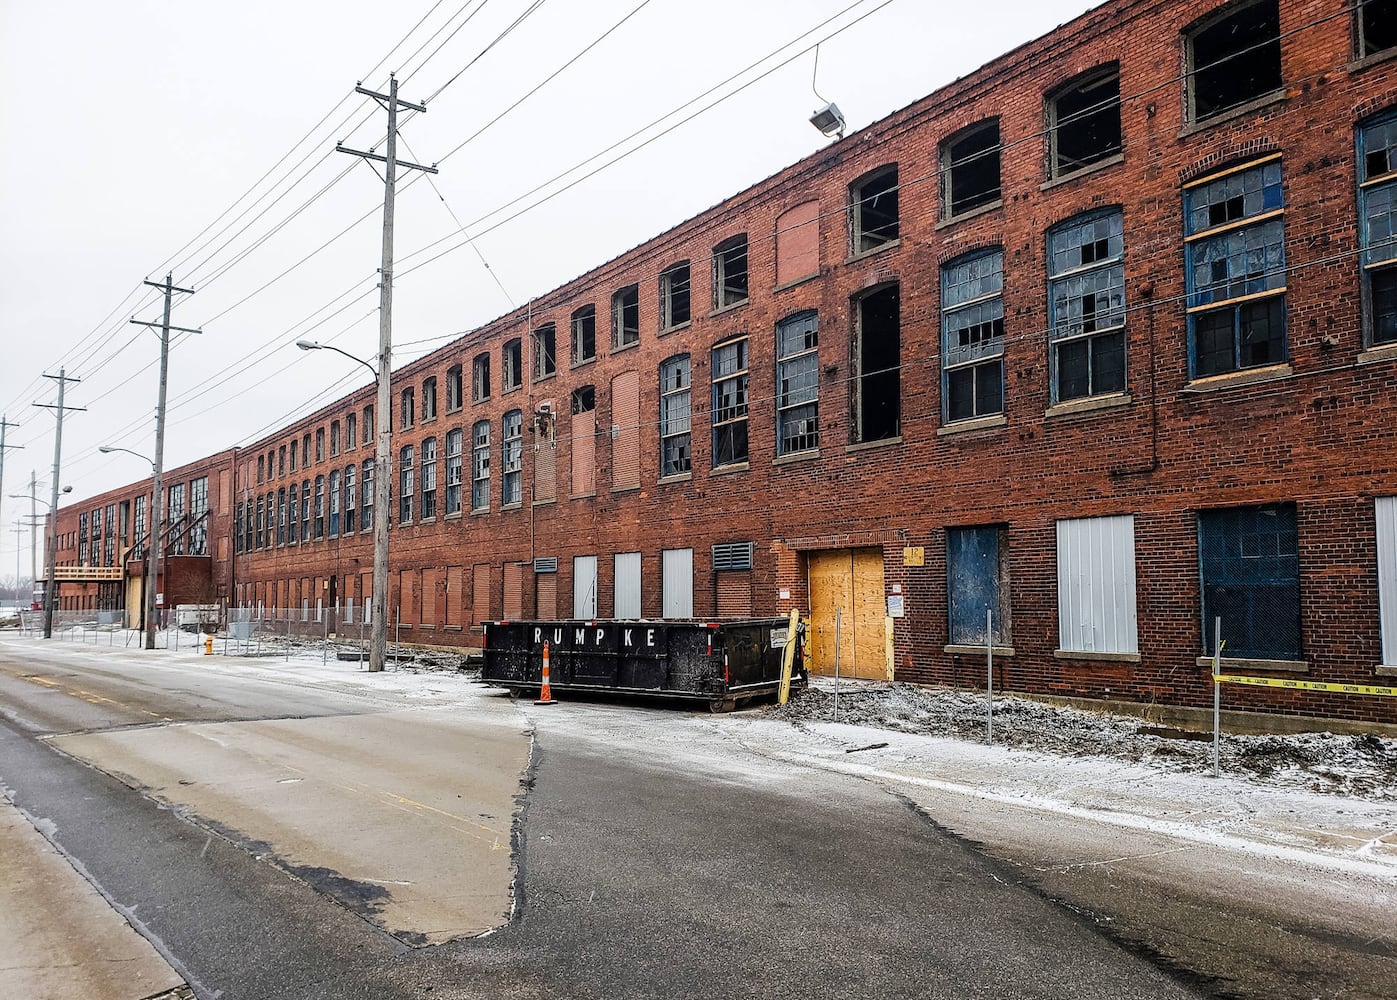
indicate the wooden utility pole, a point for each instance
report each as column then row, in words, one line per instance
column 378, row 643
column 156, row 506
column 51, row 541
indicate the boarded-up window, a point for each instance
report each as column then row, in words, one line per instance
column 583, row 441
column 677, row 583
column 625, row 431
column 1386, row 512
column 1096, row 585
column 513, row 591
column 429, row 598
column 480, row 594
column 798, row 243
column 545, row 464
column 455, row 593
column 407, row 596
column 976, row 583
column 627, row 585
column 584, row 587
column 366, row 591
column 545, row 596
column 734, row 594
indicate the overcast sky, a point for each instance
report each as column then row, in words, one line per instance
column 131, row 126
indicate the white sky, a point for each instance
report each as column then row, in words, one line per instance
column 131, row 126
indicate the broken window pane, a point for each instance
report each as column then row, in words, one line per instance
column 970, row 168
column 1377, row 26
column 1235, row 59
column 584, row 334
column 1086, row 122
column 674, row 296
column 877, row 356
column 625, row 317
column 1086, row 300
column 797, row 383
column 729, row 414
column 875, row 210
column 972, row 336
column 511, row 365
column 675, row 457
column 730, row 272
column 545, row 351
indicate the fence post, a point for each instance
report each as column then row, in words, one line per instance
column 1217, row 692
column 989, row 675
column 838, row 613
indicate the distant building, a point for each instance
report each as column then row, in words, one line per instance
column 1100, row 339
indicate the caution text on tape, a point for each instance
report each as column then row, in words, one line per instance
column 1285, row 682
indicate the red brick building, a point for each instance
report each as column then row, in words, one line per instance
column 1100, row 339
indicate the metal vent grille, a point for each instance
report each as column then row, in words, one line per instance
column 546, row 564
column 732, row 555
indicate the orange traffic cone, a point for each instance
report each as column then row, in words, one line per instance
column 545, row 694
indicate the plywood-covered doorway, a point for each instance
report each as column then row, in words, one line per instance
column 847, row 583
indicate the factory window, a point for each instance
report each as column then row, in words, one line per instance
column 429, row 478
column 977, row 572
column 970, row 168
column 1086, row 304
column 972, row 336
column 319, row 506
column 305, row 510
column 292, row 455
column 261, row 536
column 873, row 210
column 674, row 296
column 261, row 468
column 351, row 431
column 1377, row 196
column 480, row 378
column 729, row 414
column 175, row 519
column 675, row 457
column 480, row 465
column 281, row 516
column 281, row 461
column 453, row 470
column 1096, row 585
column 730, row 272
column 366, row 491
column 293, row 520
column 625, row 317
column 429, row 398
column 545, row 343
column 1084, row 121
column 454, row 395
column 1375, row 26
column 1234, row 56
column 239, row 543
column 305, row 451
column 368, row 422
column 511, row 365
column 408, row 410
column 582, row 441
column 584, row 334
column 405, row 485
column 1250, row 573
column 1235, row 269
column 320, row 444
column 334, row 438
column 334, row 499
column 797, row 383
column 876, row 397
column 351, row 496
column 512, row 458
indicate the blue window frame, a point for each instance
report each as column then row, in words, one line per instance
column 976, row 583
column 798, row 383
column 972, row 336
column 1235, row 269
column 1086, row 302
column 675, row 456
column 1250, row 576
column 1377, row 213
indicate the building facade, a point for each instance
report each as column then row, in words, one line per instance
column 1075, row 357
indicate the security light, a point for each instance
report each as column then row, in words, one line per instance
column 829, row 120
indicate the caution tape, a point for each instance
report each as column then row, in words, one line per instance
column 1284, row 682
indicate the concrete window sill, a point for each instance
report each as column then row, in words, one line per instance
column 958, row 650
column 1239, row 663
column 1099, row 657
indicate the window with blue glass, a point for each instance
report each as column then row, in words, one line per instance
column 512, row 458
column 1235, row 269
column 1250, row 573
column 972, row 336
column 676, row 458
column 1377, row 212
column 798, row 383
column 1086, row 299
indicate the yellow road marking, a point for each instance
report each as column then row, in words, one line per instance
column 93, row 698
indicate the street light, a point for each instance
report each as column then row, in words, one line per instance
column 152, row 565
column 378, row 642
column 34, row 498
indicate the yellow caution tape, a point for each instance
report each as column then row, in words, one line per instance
column 1285, row 682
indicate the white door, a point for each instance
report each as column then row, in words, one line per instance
column 628, row 585
column 584, row 587
column 677, row 566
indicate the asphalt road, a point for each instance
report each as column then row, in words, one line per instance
column 641, row 873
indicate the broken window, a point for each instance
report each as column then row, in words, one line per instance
column 729, row 416
column 480, row 465
column 584, row 334
column 351, row 496
column 873, row 201
column 675, row 456
column 1084, row 121
column 405, row 484
column 319, row 506
column 429, row 478
column 320, row 444
column 409, row 409
column 1235, row 268
column 368, row 422
column 305, row 510
column 334, row 438
column 1377, row 198
column 291, row 454
column 797, row 383
column 454, row 472
column 512, row 458
column 281, row 461
column 1086, row 304
column 545, row 341
column 480, row 378
column 877, row 360
column 970, row 168
column 261, row 468
column 674, row 296
column 1234, row 57
column 351, row 433
column 366, row 494
column 977, row 584
column 972, row 336
column 454, row 393
column 511, row 365
column 1376, row 26
column 582, row 441
column 730, row 272
column 334, row 488
column 625, row 317
column 293, row 504
column 429, row 398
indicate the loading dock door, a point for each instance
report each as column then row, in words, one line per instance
column 850, row 581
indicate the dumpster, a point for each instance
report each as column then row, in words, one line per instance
column 721, row 663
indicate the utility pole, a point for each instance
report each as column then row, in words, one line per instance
column 5, row 425
column 378, row 644
column 18, row 529
column 156, row 506
column 51, row 540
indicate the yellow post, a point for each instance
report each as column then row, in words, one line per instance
column 788, row 658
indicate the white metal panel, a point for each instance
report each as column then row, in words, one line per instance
column 628, row 585
column 677, row 583
column 584, row 587
column 1386, row 508
column 1096, row 585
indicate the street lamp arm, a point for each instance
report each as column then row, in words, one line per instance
column 107, row 449
column 313, row 345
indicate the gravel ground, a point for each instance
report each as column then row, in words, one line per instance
column 1363, row 766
